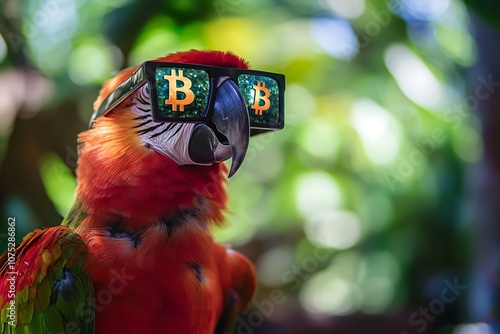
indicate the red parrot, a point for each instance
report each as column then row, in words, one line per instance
column 136, row 254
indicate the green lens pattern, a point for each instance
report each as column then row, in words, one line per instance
column 182, row 92
column 261, row 94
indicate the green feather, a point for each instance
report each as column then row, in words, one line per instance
column 75, row 216
column 22, row 330
column 25, row 314
column 54, row 320
column 44, row 291
column 45, row 307
column 22, row 296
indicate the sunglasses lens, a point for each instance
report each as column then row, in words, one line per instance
column 181, row 93
column 262, row 96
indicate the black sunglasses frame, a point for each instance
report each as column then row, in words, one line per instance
column 146, row 73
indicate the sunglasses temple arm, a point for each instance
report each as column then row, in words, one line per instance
column 120, row 93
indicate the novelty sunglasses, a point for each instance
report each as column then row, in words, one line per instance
column 186, row 93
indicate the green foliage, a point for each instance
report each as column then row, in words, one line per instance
column 59, row 183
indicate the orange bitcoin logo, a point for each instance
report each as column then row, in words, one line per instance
column 173, row 90
column 261, row 87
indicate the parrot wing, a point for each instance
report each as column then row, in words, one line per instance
column 241, row 295
column 51, row 291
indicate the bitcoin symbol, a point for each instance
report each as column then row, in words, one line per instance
column 260, row 87
column 173, row 90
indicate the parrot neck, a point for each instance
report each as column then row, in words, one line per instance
column 119, row 180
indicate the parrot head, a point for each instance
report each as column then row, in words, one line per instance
column 225, row 135
column 133, row 166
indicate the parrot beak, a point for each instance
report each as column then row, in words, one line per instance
column 231, row 135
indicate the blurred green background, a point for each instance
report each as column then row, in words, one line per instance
column 376, row 209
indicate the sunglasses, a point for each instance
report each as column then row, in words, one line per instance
column 186, row 93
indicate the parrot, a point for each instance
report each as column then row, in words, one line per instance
column 136, row 252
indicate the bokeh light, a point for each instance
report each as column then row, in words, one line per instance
column 315, row 192
column 378, row 129
column 93, row 60
column 422, row 9
column 59, row 183
column 3, row 48
column 334, row 229
column 477, row 328
column 414, row 78
column 335, row 37
column 347, row 9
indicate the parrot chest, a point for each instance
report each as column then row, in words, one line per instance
column 164, row 279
